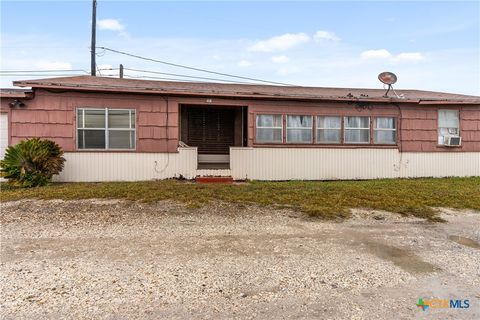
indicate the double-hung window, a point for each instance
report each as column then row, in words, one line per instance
column 448, row 124
column 329, row 129
column 357, row 130
column 385, row 130
column 105, row 128
column 299, row 129
column 269, row 128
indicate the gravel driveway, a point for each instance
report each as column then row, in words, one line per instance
column 126, row 260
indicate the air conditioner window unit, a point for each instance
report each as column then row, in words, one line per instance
column 452, row 141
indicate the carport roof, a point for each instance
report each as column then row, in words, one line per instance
column 207, row 89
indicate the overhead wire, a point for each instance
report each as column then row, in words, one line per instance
column 49, row 73
column 98, row 70
column 105, row 49
column 39, row 75
column 101, row 54
column 193, row 68
column 184, row 76
column 44, row 47
column 157, row 78
column 38, row 71
column 19, row 73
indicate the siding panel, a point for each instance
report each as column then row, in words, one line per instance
column 128, row 166
column 271, row 164
column 332, row 164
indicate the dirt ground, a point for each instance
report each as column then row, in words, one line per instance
column 125, row 260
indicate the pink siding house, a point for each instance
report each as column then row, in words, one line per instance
column 119, row 129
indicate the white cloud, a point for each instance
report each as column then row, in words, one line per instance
column 286, row 71
column 244, row 63
column 104, row 66
column 383, row 54
column 280, row 59
column 53, row 65
column 326, row 35
column 410, row 57
column 110, row 24
column 376, row 54
column 280, row 43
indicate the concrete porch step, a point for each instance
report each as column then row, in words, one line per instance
column 214, row 179
column 214, row 173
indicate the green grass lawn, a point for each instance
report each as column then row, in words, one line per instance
column 328, row 199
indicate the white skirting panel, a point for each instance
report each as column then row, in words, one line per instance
column 332, row 164
column 271, row 164
column 440, row 164
column 128, row 166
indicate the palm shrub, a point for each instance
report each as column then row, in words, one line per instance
column 32, row 162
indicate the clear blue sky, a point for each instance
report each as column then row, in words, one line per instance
column 430, row 45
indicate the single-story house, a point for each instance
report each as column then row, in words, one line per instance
column 126, row 130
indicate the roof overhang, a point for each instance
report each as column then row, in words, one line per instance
column 206, row 90
column 16, row 94
column 447, row 102
column 206, row 93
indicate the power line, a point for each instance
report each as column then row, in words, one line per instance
column 158, row 78
column 176, row 79
column 44, row 47
column 98, row 69
column 225, row 91
column 48, row 71
column 193, row 68
column 32, row 73
column 38, row 71
column 40, row 75
column 20, row 73
column 184, row 76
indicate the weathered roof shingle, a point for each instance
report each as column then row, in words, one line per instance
column 106, row 84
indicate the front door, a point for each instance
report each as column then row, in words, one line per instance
column 211, row 130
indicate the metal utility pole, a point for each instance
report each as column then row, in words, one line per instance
column 93, row 45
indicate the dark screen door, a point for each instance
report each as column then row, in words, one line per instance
column 211, row 130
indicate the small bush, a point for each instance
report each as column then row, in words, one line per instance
column 32, row 162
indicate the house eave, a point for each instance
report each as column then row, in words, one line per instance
column 17, row 95
column 205, row 90
column 208, row 93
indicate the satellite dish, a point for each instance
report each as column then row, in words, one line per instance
column 387, row 77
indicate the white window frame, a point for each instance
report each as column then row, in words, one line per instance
column 345, row 128
column 318, row 128
column 273, row 127
column 375, row 128
column 107, row 129
column 439, row 128
column 299, row 128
